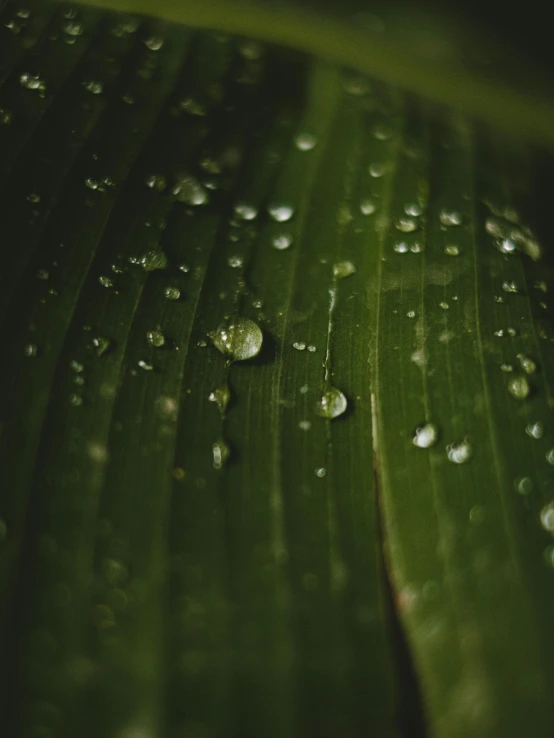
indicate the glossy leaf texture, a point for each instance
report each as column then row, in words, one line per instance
column 192, row 545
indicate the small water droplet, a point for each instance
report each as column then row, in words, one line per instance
column 305, row 141
column 343, row 269
column 406, row 225
column 221, row 396
column 411, row 314
column 152, row 260
column 510, row 286
column 535, row 430
column 189, row 191
column 450, row 217
column 499, row 333
column 401, row 247
column 378, row 169
column 31, row 350
column 367, row 207
column 547, row 517
column 101, row 344
column 550, row 456
column 444, row 305
column 238, row 339
column 172, row 293
column 311, row 348
column 94, row 86
column 332, row 403
column 299, row 345
column 145, row 365
column 523, row 485
column 527, row 364
column 105, row 281
column 506, row 245
column 244, row 211
column 154, row 43
column 506, row 367
column 426, row 435
column 221, row 453
column 280, row 212
column 282, row 241
column 541, row 286
column 76, row 366
column 413, row 208
column 75, row 400
column 518, row 387
column 156, row 182
column 155, row 338
column 5, row 117
column 235, row 261
column 321, row 472
column 184, row 268
column 304, row 425
column 452, row 250
column 32, row 81
column 460, row 453
column 73, row 28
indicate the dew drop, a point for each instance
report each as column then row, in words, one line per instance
column 155, row 338
column 95, row 87
column 235, row 261
column 506, row 367
column 172, row 293
column 321, row 472
column 460, row 453
column 452, row 250
column 518, row 387
column 282, row 241
column 411, row 314
column 299, row 345
column 304, row 425
column 101, row 344
column 280, row 212
column 510, row 286
column 189, row 191
column 106, row 281
column 154, row 43
column 367, row 207
column 413, row 208
column 506, row 246
column 444, row 305
column 31, row 81
column 547, row 517
column 550, row 456
column 332, row 403
column 5, row 117
column 239, row 339
column 220, row 453
column 535, row 430
column 377, row 169
column 152, row 260
column 426, row 435
column 406, row 225
column 311, row 348
column 146, row 366
column 245, row 211
column 221, row 396
column 527, row 364
column 401, row 247
column 156, row 182
column 343, row 269
column 75, row 400
column 523, row 485
column 76, row 366
column 31, row 350
column 43, row 274
column 450, row 217
column 305, row 141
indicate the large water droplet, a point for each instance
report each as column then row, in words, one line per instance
column 518, row 387
column 238, row 339
column 332, row 403
column 535, row 430
column 368, row 207
column 244, row 211
column 459, row 453
column 305, row 141
column 406, row 225
column 450, row 217
column 527, row 364
column 426, row 435
column 155, row 338
column 281, row 212
column 282, row 241
column 172, row 293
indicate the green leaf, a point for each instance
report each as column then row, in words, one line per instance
column 200, row 537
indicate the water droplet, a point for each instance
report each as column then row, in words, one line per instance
column 282, row 241
column 31, row 350
column 506, row 246
column 172, row 293
column 547, row 517
column 510, row 286
column 106, row 281
column 406, row 225
column 101, row 344
column 280, row 212
column 332, row 403
column 444, row 305
column 416, row 247
column 450, row 217
column 343, row 269
column 367, row 207
column 401, row 247
column 221, row 453
column 321, row 472
column 452, row 250
column 184, row 268
column 154, row 43
column 189, row 191
column 73, row 28
column 506, row 367
column 152, row 260
column 459, row 453
column 426, row 435
column 538, row 285
column 411, row 314
column 238, row 339
column 245, row 211
column 305, row 141
column 518, row 387
column 221, row 397
column 523, row 485
column 299, row 345
column 43, row 274
column 156, row 182
column 235, row 261
column 535, row 430
column 155, row 338
column 5, row 117
column 304, row 425
column 75, row 400
column 312, row 349
column 145, row 365
column 527, row 364
column 378, row 169
column 413, row 208
column 31, row 81
column 550, row 456
column 95, row 87
column 76, row 366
